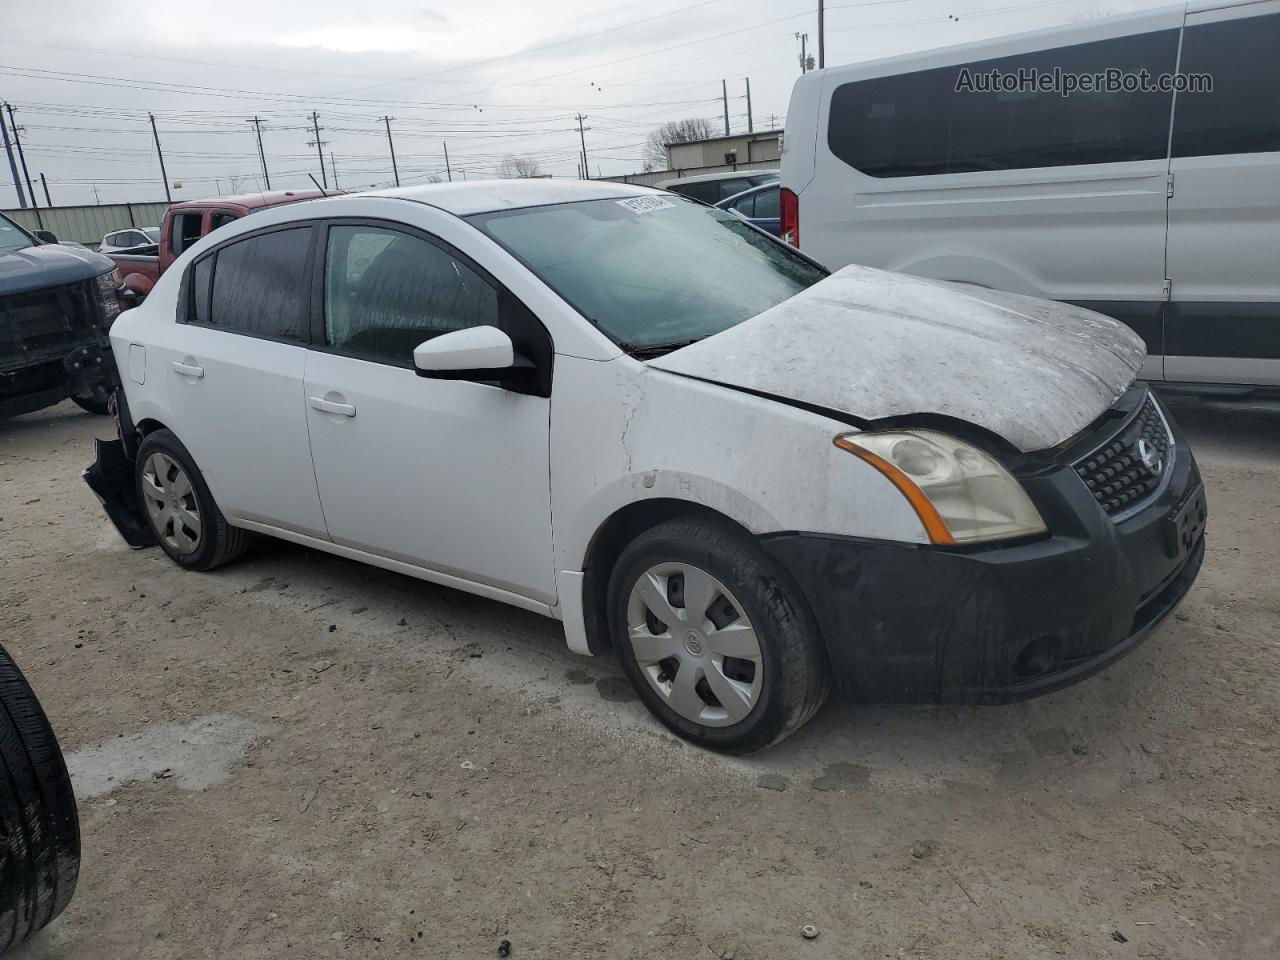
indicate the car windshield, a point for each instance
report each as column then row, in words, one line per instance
column 153, row 234
column 12, row 237
column 653, row 272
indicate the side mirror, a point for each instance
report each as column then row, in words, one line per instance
column 44, row 236
column 481, row 354
column 472, row 349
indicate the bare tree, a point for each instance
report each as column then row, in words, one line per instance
column 513, row 166
column 673, row 131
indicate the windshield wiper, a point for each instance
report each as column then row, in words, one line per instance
column 646, row 351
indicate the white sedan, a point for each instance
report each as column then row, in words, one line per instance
column 747, row 479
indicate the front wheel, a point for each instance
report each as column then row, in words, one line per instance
column 716, row 641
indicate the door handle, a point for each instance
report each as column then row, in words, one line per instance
column 188, row 369
column 329, row 406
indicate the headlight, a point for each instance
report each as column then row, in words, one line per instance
column 959, row 492
column 108, row 283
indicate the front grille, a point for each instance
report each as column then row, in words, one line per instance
column 1130, row 468
column 40, row 321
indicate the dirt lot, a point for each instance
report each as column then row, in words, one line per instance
column 298, row 756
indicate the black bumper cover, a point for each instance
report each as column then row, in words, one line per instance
column 111, row 477
column 919, row 624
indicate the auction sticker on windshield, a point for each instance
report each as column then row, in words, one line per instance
column 646, row 204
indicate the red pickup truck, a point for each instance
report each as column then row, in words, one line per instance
column 184, row 224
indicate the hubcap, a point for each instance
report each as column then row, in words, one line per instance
column 171, row 503
column 694, row 644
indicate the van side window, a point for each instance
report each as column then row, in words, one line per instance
column 1242, row 113
column 259, row 286
column 919, row 124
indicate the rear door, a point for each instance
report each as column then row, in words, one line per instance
column 235, row 369
column 1223, row 322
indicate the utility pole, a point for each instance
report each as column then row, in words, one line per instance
column 17, row 142
column 333, row 164
column 724, row 92
column 257, row 126
column 804, row 57
column 750, row 126
column 319, row 144
column 163, row 176
column 45, row 183
column 447, row 169
column 13, row 165
column 586, row 170
column 822, row 42
column 390, row 143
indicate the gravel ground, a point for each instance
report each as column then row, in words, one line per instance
column 297, row 756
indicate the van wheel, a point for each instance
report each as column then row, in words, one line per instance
column 716, row 641
column 186, row 522
column 39, row 827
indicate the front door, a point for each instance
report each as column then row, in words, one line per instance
column 448, row 475
column 1223, row 321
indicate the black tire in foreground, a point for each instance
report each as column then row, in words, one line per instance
column 184, row 517
column 39, row 827
column 788, row 660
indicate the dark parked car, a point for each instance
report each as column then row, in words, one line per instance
column 56, row 305
column 758, row 206
column 713, row 187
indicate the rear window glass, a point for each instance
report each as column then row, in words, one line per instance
column 259, row 285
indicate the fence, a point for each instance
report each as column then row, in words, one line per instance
column 88, row 224
column 657, row 176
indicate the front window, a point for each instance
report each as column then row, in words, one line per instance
column 153, row 234
column 653, row 272
column 12, row 236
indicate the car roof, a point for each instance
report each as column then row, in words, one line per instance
column 487, row 196
column 706, row 177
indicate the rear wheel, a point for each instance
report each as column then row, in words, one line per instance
column 716, row 641
column 184, row 518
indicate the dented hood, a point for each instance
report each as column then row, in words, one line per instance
column 873, row 344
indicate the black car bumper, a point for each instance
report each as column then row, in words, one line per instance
column 922, row 624
column 111, row 477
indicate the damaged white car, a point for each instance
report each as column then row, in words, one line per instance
column 749, row 480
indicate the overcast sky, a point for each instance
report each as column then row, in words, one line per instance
column 489, row 77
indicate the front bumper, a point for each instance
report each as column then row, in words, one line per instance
column 922, row 624
column 111, row 477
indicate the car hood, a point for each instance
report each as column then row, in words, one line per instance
column 48, row 265
column 872, row 344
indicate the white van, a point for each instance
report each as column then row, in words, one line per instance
column 1159, row 208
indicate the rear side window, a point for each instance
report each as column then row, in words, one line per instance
column 706, row 191
column 259, row 286
column 185, row 231
column 385, row 292
column 919, row 124
column 767, row 203
column 1242, row 113
column 746, row 206
column 221, row 220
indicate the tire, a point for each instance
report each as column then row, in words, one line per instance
column 209, row 541
column 92, row 404
column 774, row 692
column 39, row 827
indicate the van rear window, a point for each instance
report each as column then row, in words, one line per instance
column 919, row 124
